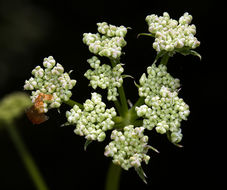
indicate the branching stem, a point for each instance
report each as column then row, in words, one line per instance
column 72, row 103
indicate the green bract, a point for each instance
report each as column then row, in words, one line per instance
column 129, row 147
column 50, row 80
column 172, row 35
column 93, row 120
column 105, row 76
column 108, row 42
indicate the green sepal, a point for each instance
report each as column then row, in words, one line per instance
column 86, row 144
column 141, row 174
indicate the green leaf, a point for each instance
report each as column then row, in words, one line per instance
column 86, row 144
column 141, row 174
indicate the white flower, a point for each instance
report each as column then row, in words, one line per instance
column 166, row 112
column 109, row 44
column 128, row 148
column 171, row 34
column 52, row 81
column 105, row 77
column 93, row 120
column 151, row 85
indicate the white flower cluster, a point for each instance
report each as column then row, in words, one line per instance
column 108, row 42
column 166, row 113
column 105, row 76
column 50, row 80
column 94, row 120
column 171, row 34
column 157, row 77
column 128, row 148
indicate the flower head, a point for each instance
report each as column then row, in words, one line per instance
column 165, row 113
column 93, row 120
column 129, row 147
column 50, row 80
column 163, row 109
column 151, row 85
column 108, row 42
column 104, row 76
column 171, row 35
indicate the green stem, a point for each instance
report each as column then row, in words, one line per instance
column 164, row 59
column 113, row 177
column 124, row 104
column 118, row 107
column 72, row 103
column 139, row 102
column 123, row 99
column 26, row 158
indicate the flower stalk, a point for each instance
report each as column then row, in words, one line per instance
column 113, row 177
column 26, row 157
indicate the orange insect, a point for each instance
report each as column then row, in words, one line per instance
column 36, row 112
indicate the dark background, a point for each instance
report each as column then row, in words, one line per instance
column 32, row 30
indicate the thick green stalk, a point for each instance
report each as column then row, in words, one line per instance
column 26, row 158
column 113, row 177
column 118, row 107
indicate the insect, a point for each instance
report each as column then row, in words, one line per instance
column 36, row 112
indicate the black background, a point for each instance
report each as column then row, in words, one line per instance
column 32, row 30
